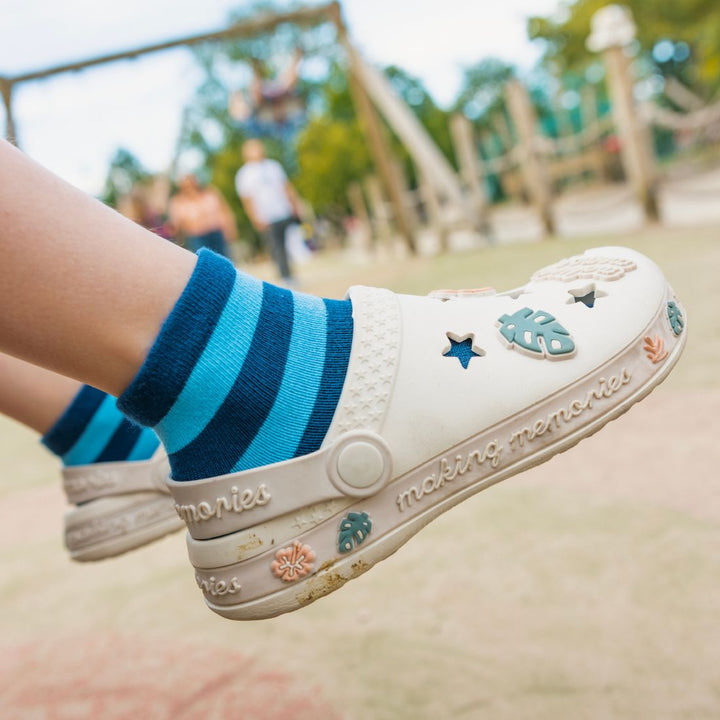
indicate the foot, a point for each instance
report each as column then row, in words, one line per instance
column 114, row 472
column 119, row 506
column 443, row 396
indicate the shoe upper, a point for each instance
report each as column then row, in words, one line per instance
column 426, row 372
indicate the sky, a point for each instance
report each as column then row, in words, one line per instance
column 74, row 122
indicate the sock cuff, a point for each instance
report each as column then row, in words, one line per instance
column 72, row 423
column 181, row 341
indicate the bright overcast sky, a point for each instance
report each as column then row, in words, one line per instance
column 73, row 123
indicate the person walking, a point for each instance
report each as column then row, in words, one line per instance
column 270, row 200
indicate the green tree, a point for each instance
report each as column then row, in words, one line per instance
column 418, row 99
column 331, row 154
column 124, row 172
column 695, row 22
column 482, row 90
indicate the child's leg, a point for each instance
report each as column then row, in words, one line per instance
column 83, row 290
column 244, row 374
column 111, row 466
column 32, row 395
column 388, row 409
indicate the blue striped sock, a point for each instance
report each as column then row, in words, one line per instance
column 242, row 373
column 93, row 430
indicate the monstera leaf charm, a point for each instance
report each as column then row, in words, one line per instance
column 354, row 528
column 525, row 329
column 675, row 317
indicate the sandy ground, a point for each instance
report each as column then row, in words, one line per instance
column 585, row 588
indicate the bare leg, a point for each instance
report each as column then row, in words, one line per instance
column 32, row 395
column 83, row 290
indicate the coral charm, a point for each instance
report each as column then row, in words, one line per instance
column 294, row 562
column 655, row 349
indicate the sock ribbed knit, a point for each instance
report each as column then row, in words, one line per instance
column 242, row 373
column 93, row 430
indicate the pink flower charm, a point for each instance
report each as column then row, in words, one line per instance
column 294, row 562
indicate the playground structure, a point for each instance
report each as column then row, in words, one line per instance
column 531, row 167
column 370, row 88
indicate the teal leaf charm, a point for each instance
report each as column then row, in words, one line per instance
column 525, row 329
column 354, row 528
column 677, row 322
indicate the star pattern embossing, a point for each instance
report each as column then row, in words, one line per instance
column 371, row 370
column 463, row 348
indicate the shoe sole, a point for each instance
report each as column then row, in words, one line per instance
column 115, row 525
column 527, row 439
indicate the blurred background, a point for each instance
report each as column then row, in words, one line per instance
column 453, row 144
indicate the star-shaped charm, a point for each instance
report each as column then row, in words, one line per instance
column 463, row 348
column 587, row 295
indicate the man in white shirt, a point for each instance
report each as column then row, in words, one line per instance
column 270, row 201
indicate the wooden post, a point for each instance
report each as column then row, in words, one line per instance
column 6, row 88
column 612, row 30
column 433, row 210
column 535, row 178
column 359, row 210
column 381, row 222
column 502, row 132
column 461, row 131
column 489, row 142
column 589, row 115
column 382, row 154
column 402, row 181
column 407, row 128
column 588, row 105
column 563, row 120
column 375, row 134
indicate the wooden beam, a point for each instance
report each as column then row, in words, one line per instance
column 461, row 131
column 6, row 88
column 635, row 144
column 416, row 139
column 381, row 222
column 263, row 22
column 359, row 210
column 536, row 180
column 379, row 145
column 433, row 210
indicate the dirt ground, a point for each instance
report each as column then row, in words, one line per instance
column 585, row 588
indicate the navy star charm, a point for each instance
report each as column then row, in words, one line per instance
column 463, row 348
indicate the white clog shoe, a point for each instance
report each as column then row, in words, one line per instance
column 444, row 396
column 120, row 506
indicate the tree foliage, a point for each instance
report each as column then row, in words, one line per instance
column 695, row 22
column 331, row 154
column 482, row 89
column 125, row 171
